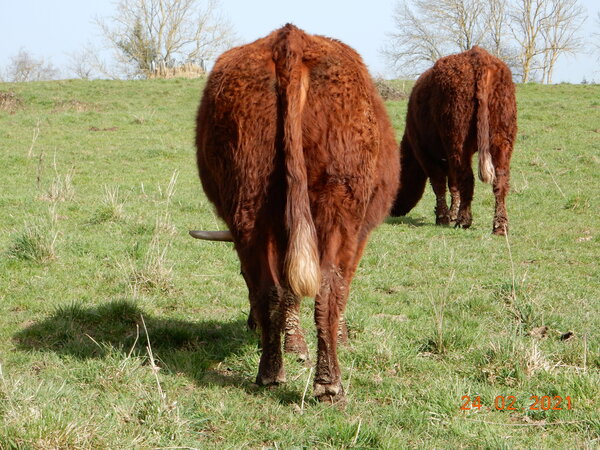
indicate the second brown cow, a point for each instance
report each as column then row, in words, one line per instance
column 465, row 103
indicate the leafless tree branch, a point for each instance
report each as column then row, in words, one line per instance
column 170, row 32
column 25, row 67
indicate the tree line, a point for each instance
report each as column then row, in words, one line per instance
column 148, row 37
column 529, row 35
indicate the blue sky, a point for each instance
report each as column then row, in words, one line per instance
column 54, row 28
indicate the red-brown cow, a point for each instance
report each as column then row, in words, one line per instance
column 297, row 154
column 463, row 104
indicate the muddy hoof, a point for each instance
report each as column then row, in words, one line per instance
column 338, row 399
column 463, row 222
column 442, row 220
column 500, row 230
column 330, row 393
column 263, row 380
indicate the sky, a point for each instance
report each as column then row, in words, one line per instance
column 54, row 29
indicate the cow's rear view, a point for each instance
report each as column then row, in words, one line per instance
column 297, row 154
column 464, row 104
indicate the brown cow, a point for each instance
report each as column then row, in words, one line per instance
column 464, row 103
column 297, row 154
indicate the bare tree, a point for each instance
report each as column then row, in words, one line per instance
column 597, row 35
column 427, row 30
column 415, row 44
column 528, row 19
column 82, row 64
column 497, row 15
column 24, row 67
column 460, row 21
column 171, row 32
column 560, row 33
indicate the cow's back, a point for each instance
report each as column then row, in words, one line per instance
column 236, row 133
column 348, row 140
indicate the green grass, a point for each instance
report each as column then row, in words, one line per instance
column 99, row 189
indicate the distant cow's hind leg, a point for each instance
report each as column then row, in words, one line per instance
column 465, row 180
column 501, row 187
column 455, row 198
column 438, row 183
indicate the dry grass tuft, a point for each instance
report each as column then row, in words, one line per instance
column 36, row 242
column 534, row 360
column 10, row 102
column 61, row 189
column 155, row 273
column 388, row 91
column 188, row 70
column 73, row 106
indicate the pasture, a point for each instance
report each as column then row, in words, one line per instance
column 118, row 330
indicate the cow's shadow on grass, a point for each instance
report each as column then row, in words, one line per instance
column 197, row 349
column 407, row 220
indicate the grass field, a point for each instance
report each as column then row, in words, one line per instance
column 117, row 330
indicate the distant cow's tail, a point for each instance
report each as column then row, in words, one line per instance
column 302, row 267
column 487, row 173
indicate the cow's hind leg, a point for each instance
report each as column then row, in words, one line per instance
column 438, row 183
column 295, row 341
column 267, row 307
column 465, row 181
column 269, row 313
column 294, row 335
column 337, row 269
column 501, row 160
column 454, row 197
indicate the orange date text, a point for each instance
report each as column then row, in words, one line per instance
column 508, row 403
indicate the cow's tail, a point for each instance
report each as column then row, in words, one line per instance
column 302, row 268
column 487, row 173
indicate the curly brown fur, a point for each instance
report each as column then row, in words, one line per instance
column 297, row 154
column 465, row 103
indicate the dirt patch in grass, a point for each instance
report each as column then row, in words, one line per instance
column 10, row 102
column 73, row 106
column 104, row 129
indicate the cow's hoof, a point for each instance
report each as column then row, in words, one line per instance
column 463, row 222
column 442, row 220
column 330, row 393
column 266, row 380
column 296, row 345
column 500, row 230
column 338, row 399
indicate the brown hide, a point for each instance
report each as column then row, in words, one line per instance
column 297, row 154
column 465, row 103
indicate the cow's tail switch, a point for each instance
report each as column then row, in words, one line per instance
column 487, row 173
column 302, row 266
